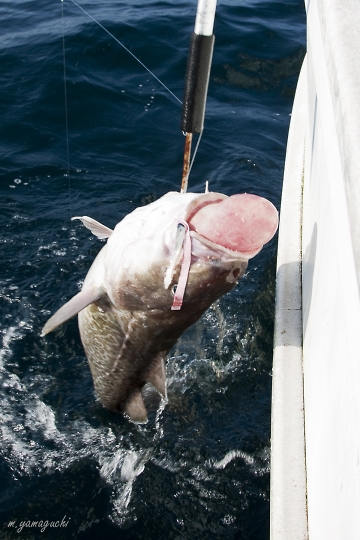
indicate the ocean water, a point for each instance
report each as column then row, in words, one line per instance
column 110, row 143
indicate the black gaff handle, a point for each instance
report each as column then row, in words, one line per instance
column 196, row 83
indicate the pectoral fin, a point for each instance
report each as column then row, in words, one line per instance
column 95, row 227
column 135, row 408
column 156, row 374
column 77, row 303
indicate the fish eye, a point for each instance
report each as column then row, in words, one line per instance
column 173, row 290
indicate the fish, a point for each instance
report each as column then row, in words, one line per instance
column 161, row 268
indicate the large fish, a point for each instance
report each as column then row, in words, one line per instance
column 163, row 265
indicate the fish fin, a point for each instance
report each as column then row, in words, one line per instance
column 77, row 303
column 156, row 374
column 135, row 408
column 99, row 230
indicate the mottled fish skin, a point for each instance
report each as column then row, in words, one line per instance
column 126, row 322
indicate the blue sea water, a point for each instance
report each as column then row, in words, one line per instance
column 200, row 467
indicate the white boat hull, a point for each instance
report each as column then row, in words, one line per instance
column 318, row 280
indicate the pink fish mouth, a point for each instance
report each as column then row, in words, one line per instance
column 240, row 223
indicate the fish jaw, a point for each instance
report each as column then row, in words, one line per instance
column 241, row 223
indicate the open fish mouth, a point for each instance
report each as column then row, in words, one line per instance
column 240, row 224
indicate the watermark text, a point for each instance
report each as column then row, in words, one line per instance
column 40, row 524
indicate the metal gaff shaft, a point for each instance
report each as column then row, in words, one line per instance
column 186, row 164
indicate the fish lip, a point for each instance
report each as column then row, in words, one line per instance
column 203, row 200
column 206, row 200
column 229, row 253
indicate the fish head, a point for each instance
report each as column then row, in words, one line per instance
column 145, row 258
column 225, row 233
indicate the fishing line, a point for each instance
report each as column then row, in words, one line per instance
column 127, row 50
column 196, row 149
column 66, row 104
column 138, row 60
